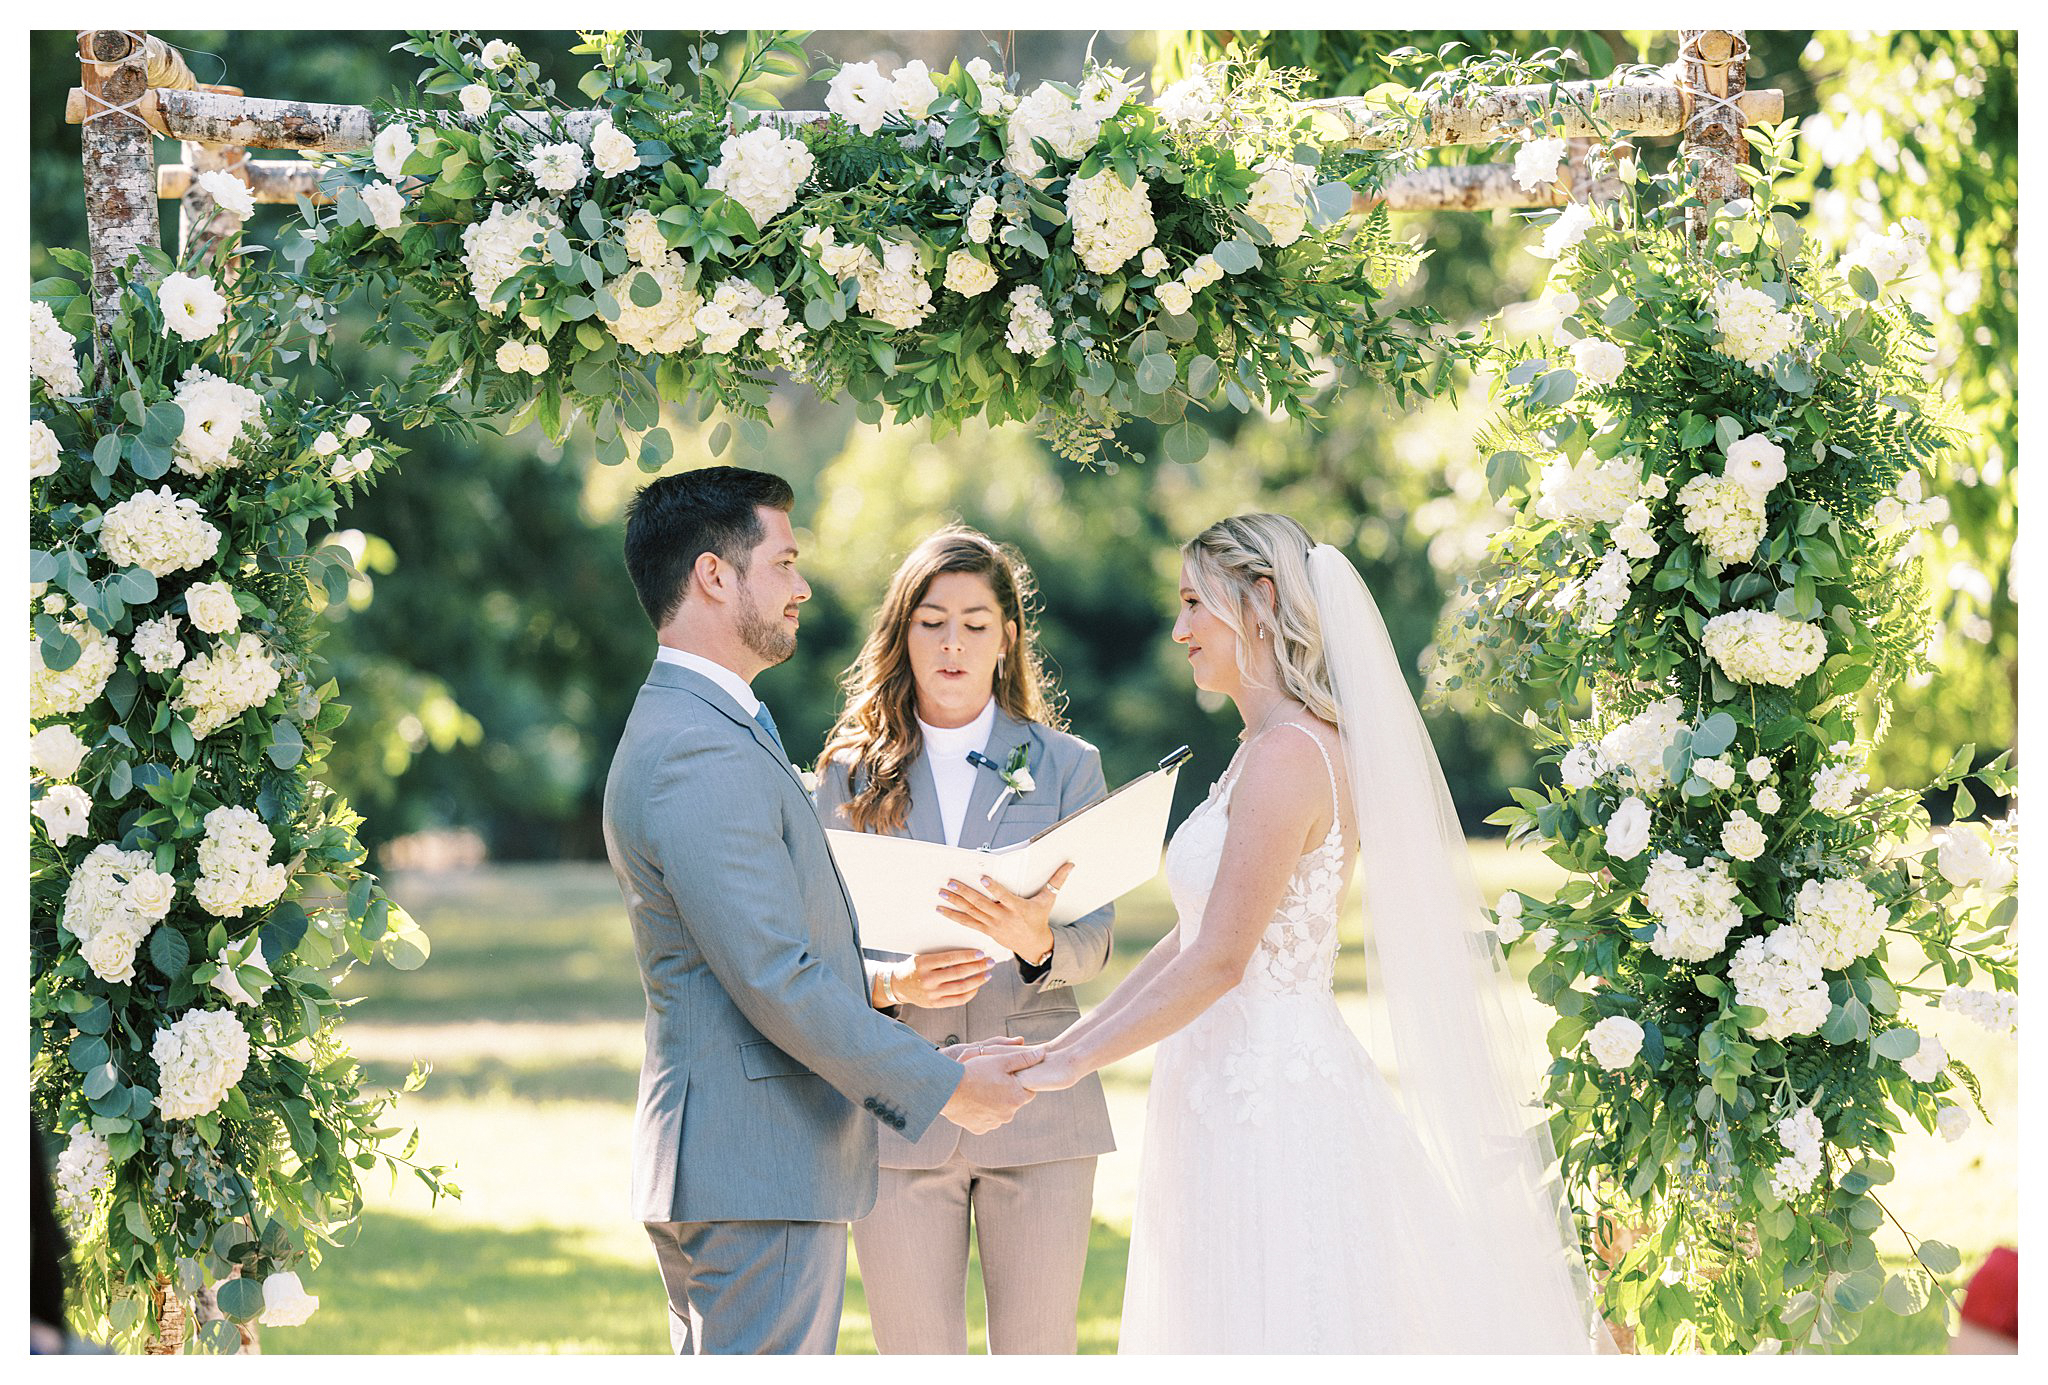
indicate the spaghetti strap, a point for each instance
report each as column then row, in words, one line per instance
column 1336, row 811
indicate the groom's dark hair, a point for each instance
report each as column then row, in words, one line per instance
column 676, row 520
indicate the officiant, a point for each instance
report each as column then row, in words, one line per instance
column 948, row 735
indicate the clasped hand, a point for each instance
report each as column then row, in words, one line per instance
column 990, row 1092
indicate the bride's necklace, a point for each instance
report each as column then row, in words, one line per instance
column 1253, row 733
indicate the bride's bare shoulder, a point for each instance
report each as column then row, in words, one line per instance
column 1285, row 769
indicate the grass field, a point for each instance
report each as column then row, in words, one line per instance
column 530, row 1013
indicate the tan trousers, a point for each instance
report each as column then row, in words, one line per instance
column 1032, row 1224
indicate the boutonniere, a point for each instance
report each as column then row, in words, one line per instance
column 1016, row 775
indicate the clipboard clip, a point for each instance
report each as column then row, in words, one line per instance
column 1178, row 757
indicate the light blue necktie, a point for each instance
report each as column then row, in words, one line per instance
column 766, row 720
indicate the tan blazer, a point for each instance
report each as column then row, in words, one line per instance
column 1072, row 1124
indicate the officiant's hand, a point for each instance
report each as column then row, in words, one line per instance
column 989, row 1094
column 939, row 980
column 1016, row 921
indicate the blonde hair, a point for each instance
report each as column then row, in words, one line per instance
column 877, row 732
column 1226, row 561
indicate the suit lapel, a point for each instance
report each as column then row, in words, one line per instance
column 668, row 675
column 926, row 822
column 1004, row 737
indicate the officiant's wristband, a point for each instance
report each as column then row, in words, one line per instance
column 889, row 986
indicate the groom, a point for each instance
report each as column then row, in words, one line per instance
column 766, row 1069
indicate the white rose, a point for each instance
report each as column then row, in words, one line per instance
column 1742, row 836
column 386, row 204
column 1152, row 262
column 969, row 275
column 394, row 145
column 613, row 150
column 1174, row 298
column 1716, row 771
column 511, row 357
column 349, row 467
column 65, row 811
column 475, row 98
column 1599, row 362
column 1628, row 829
column 1925, row 1064
column 497, row 54
column 535, row 359
column 285, row 1300
column 1964, row 858
column 193, row 308
column 356, row 426
column 1767, row 800
column 1758, row 769
column 1542, row 938
column 1615, row 1042
column 1510, row 905
column 1537, row 163
column 55, row 752
column 914, row 89
column 44, row 452
column 211, row 605
column 326, row 445
column 1952, row 1121
column 228, row 192
column 1757, row 463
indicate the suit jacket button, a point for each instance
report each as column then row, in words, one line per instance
column 952, row 1039
column 869, row 1103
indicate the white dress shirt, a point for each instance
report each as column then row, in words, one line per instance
column 946, row 750
column 734, row 685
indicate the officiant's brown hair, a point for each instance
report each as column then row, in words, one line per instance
column 877, row 734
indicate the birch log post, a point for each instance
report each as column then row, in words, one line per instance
column 1714, row 68
column 119, row 153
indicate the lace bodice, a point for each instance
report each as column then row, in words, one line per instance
column 1298, row 953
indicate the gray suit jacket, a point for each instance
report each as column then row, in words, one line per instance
column 1056, row 1125
column 766, row 1068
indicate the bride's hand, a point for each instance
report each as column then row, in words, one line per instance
column 1056, row 1072
column 1016, row 921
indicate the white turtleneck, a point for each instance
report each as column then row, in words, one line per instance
column 946, row 751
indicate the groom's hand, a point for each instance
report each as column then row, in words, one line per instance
column 990, row 1093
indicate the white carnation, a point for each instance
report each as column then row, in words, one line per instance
column 1628, row 829
column 52, row 352
column 761, row 170
column 1764, row 647
column 65, row 812
column 1695, row 907
column 386, row 204
column 193, row 308
column 228, row 192
column 157, row 645
column 393, row 146
column 1614, row 1042
column 200, row 1056
column 1781, row 975
column 211, row 605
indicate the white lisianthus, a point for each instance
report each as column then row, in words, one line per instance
column 1927, row 1062
column 393, row 146
column 60, row 692
column 968, row 274
column 1964, row 857
column 285, row 1300
column 1537, row 162
column 1764, row 647
column 862, row 96
column 1800, row 1133
column 1842, row 916
column 1030, row 329
column 157, row 645
column 221, row 685
column 1636, row 747
column 1750, row 326
column 1508, row 917
column 1279, row 199
column 504, row 242
column 115, row 897
column 981, row 219
column 1628, row 829
column 1599, row 362
column 229, row 980
column 1103, row 93
column 218, row 415
column 475, row 99
column 1757, row 463
column 193, row 308
column 349, row 467
column 211, row 605
column 228, row 192
column 65, row 810
column 1110, row 222
column 1742, row 836
column 1780, row 974
column 1051, row 115
column 1567, row 231
column 1695, row 907
column 52, row 352
column 1953, row 1122
column 1767, row 800
column 497, row 55
column 56, row 752
column 1582, row 766
column 1152, row 262
column 159, row 530
column 557, row 167
column 84, row 1170
column 386, row 204
column 613, row 151
column 761, row 170
column 200, row 1056
column 1174, row 297
column 1614, row 1042
column 913, row 89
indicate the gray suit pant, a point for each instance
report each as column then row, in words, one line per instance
column 752, row 1287
column 1032, row 1223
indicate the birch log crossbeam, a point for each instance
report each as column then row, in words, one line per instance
column 1491, row 113
column 270, row 180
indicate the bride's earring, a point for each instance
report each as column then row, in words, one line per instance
column 1262, row 629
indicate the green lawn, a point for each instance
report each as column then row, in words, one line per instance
column 530, row 1012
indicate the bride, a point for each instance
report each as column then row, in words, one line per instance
column 1288, row 1200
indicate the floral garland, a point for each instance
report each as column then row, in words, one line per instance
column 1719, row 464
column 196, row 894
column 946, row 246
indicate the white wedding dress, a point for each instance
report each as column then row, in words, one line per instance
column 1284, row 1201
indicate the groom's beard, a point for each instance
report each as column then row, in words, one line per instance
column 765, row 637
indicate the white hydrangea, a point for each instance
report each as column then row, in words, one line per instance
column 1889, row 256
column 1614, row 1042
column 219, row 414
column 158, row 530
column 235, row 870
column 1055, row 117
column 200, row 1056
column 1781, row 975
column 504, row 242
column 1030, row 330
column 45, row 454
column 1997, row 1011
column 1582, row 766
column 392, row 147
column 52, row 352
column 1843, row 918
column 1727, row 516
column 85, row 1169
column 156, row 643
column 1110, row 222
column 1750, row 327
column 1964, row 856
column 1694, row 906
column 60, row 692
column 642, row 237
column 1567, row 231
column 1835, row 787
column 1800, row 1133
column 969, row 275
column 862, row 96
column 228, row 192
column 1953, row 1122
column 386, row 204
column 1279, row 199
column 981, row 219
column 557, row 167
column 1742, row 836
column 65, row 812
column 1191, row 103
column 56, row 752
column 1606, row 589
column 1628, row 829
column 193, row 308
column 114, row 899
column 1637, row 746
column 1537, row 162
column 734, row 308
column 1927, row 1062
column 1597, row 361
column 669, row 323
column 613, row 151
column 1764, row 647
column 761, row 170
column 1757, row 463
column 221, row 685
column 1588, row 492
